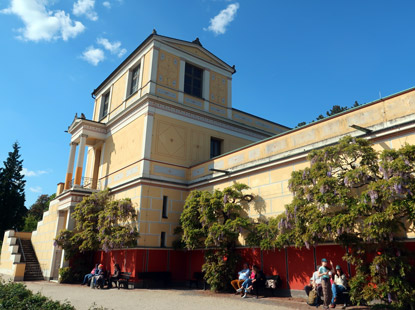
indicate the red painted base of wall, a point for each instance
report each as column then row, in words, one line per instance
column 294, row 266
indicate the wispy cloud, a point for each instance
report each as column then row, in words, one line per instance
column 41, row 23
column 93, row 55
column 31, row 173
column 219, row 23
column 36, row 189
column 107, row 4
column 113, row 48
column 85, row 7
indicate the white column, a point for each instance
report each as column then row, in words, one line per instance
column 153, row 72
column 229, row 98
column 206, row 89
column 69, row 171
column 80, row 160
column 181, row 80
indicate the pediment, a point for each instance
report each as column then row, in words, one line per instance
column 197, row 51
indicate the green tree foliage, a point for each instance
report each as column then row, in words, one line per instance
column 12, row 195
column 100, row 223
column 35, row 213
column 215, row 221
column 336, row 109
column 15, row 296
column 364, row 200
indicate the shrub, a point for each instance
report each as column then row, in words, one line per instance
column 15, row 296
column 65, row 275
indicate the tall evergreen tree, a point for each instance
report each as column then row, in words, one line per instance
column 12, row 196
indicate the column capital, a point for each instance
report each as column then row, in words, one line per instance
column 73, row 143
column 84, row 136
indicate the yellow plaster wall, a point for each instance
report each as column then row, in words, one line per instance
column 146, row 72
column 168, row 70
column 151, row 221
column 196, row 52
column 218, row 93
column 42, row 238
column 252, row 121
column 97, row 108
column 123, row 148
column 118, row 92
column 180, row 143
column 6, row 261
column 370, row 115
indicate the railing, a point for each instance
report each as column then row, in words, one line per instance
column 87, row 183
column 21, row 246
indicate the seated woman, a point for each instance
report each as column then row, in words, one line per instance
column 115, row 276
column 247, row 283
column 339, row 285
column 88, row 276
column 99, row 277
column 258, row 281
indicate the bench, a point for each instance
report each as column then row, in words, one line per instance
column 124, row 279
column 198, row 277
column 270, row 285
column 155, row 277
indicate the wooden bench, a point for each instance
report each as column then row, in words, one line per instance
column 155, row 277
column 124, row 279
column 265, row 288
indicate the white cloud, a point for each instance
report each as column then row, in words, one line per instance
column 29, row 173
column 114, row 48
column 36, row 189
column 107, row 4
column 93, row 55
column 85, row 7
column 41, row 23
column 219, row 23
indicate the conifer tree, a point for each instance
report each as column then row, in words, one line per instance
column 12, row 195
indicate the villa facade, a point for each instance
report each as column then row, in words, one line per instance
column 163, row 124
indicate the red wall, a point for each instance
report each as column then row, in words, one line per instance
column 294, row 266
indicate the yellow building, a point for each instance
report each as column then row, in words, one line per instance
column 163, row 124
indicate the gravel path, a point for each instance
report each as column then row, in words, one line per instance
column 83, row 297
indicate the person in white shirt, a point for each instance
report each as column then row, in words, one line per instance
column 315, row 283
column 242, row 276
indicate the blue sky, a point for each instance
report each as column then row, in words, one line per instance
column 294, row 60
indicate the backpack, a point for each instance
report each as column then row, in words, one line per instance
column 312, row 298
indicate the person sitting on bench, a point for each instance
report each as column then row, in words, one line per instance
column 88, row 276
column 315, row 284
column 115, row 276
column 242, row 276
column 339, row 285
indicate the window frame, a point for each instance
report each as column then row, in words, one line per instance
column 219, row 142
column 165, row 207
column 163, row 239
column 190, row 78
column 104, row 106
column 130, row 91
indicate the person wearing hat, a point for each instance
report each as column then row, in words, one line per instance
column 339, row 285
column 325, row 273
column 98, row 279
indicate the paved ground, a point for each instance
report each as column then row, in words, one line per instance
column 83, row 297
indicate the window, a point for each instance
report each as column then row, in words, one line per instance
column 193, row 80
column 163, row 239
column 105, row 99
column 215, row 147
column 165, row 204
column 133, row 87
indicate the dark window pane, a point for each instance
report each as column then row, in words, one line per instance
column 193, row 80
column 215, row 147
